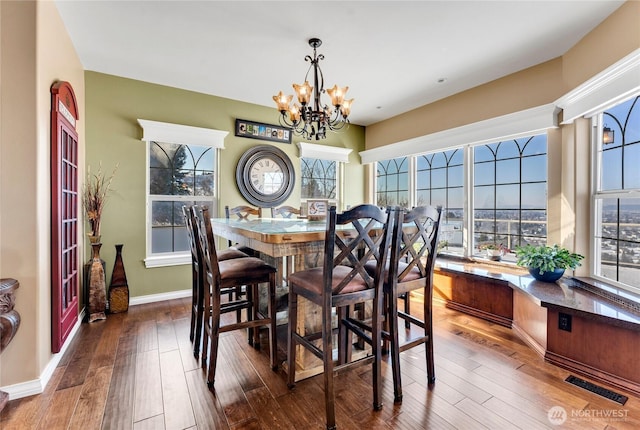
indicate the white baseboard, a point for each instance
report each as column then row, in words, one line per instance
column 151, row 298
column 37, row 386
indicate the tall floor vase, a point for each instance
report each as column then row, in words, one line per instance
column 97, row 286
column 118, row 288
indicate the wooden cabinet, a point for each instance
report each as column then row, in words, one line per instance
column 485, row 298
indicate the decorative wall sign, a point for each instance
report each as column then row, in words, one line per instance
column 258, row 130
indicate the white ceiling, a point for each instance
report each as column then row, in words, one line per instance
column 391, row 54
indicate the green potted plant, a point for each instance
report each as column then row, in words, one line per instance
column 547, row 263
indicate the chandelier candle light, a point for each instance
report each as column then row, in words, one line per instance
column 309, row 118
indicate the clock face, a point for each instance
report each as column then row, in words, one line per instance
column 265, row 176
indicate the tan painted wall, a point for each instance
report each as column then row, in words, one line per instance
column 113, row 136
column 30, row 32
column 535, row 86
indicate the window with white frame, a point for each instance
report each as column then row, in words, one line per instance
column 318, row 179
column 322, row 169
column 392, row 182
column 181, row 171
column 510, row 193
column 507, row 192
column 440, row 182
column 616, row 198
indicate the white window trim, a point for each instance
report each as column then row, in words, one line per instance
column 528, row 122
column 154, row 131
column 608, row 88
column 324, row 152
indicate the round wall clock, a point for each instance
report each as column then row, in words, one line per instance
column 265, row 176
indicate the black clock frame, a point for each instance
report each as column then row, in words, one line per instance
column 246, row 187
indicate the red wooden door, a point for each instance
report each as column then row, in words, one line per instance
column 64, row 214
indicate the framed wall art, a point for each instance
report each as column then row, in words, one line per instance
column 317, row 209
column 258, row 130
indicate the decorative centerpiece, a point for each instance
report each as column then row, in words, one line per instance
column 94, row 196
column 547, row 263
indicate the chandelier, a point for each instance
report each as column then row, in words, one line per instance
column 309, row 118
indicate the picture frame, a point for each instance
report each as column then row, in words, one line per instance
column 262, row 131
column 317, row 209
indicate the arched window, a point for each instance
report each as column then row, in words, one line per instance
column 617, row 194
column 510, row 192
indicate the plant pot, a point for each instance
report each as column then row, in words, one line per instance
column 546, row 276
column 494, row 254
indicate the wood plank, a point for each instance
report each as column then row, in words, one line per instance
column 166, row 336
column 178, row 413
column 147, row 336
column 105, row 353
column 147, row 399
column 60, row 409
column 208, row 412
column 153, row 423
column 93, row 397
column 181, row 328
column 267, row 409
column 78, row 367
column 241, row 366
column 484, row 416
column 120, row 399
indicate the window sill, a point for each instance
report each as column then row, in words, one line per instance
column 167, row 260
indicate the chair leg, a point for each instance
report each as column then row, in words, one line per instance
column 291, row 344
column 198, row 326
column 376, row 350
column 327, row 351
column 215, row 336
column 407, row 308
column 385, row 323
column 194, row 304
column 428, row 332
column 271, row 309
column 395, row 344
column 344, row 336
column 255, row 302
column 207, row 328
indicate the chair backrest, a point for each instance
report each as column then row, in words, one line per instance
column 242, row 212
column 369, row 239
column 415, row 243
column 285, row 211
column 192, row 234
column 207, row 245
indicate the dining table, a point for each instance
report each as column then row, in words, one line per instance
column 290, row 244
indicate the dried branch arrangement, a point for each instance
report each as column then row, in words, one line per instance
column 94, row 195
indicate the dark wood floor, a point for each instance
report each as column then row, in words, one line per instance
column 136, row 370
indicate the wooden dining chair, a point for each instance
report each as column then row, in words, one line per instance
column 413, row 256
column 243, row 213
column 341, row 283
column 285, row 211
column 219, row 276
column 197, row 292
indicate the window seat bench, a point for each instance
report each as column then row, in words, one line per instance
column 576, row 323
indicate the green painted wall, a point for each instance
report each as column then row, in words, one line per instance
column 113, row 106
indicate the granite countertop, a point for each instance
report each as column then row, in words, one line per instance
column 567, row 293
